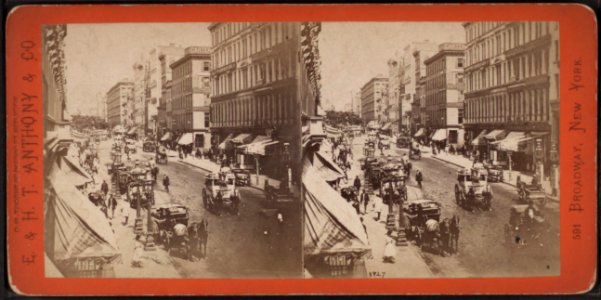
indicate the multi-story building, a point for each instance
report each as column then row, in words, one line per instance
column 391, row 109
column 153, row 81
column 118, row 100
column 356, row 103
column 408, row 80
column 190, row 97
column 138, row 107
column 444, row 94
column 418, row 124
column 512, row 95
column 373, row 94
column 257, row 84
column 53, row 72
column 166, row 58
column 100, row 110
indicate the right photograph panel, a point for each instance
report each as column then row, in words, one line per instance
column 430, row 149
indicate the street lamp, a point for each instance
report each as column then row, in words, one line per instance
column 286, row 158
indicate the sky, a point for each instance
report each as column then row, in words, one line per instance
column 99, row 55
column 354, row 52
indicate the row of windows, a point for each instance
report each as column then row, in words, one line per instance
column 254, row 75
column 529, row 105
column 276, row 108
column 267, row 36
column 227, row 30
column 534, row 63
column 506, row 39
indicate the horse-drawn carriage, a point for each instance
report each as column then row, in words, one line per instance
column 531, row 193
column 140, row 192
column 428, row 230
column 393, row 189
column 161, row 155
column 170, row 222
column 414, row 151
column 472, row 189
column 526, row 224
column 149, row 146
column 220, row 193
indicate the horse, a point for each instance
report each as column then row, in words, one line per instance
column 454, row 231
column 445, row 234
column 198, row 236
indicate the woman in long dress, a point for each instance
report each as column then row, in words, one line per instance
column 389, row 250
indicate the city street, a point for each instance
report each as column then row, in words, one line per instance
column 482, row 251
column 237, row 245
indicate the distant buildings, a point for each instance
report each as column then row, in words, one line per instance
column 101, row 106
column 118, row 100
column 391, row 110
column 444, row 94
column 373, row 95
column 190, row 97
column 164, row 109
column 356, row 103
column 139, row 96
column 512, row 95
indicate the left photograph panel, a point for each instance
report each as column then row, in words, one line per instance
column 172, row 150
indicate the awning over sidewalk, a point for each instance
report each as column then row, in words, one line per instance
column 74, row 173
column 326, row 168
column 77, row 228
column 440, row 135
column 495, row 134
column 132, row 130
column 186, row 139
column 331, row 223
column 259, row 147
column 242, row 138
column 386, row 126
column 118, row 129
column 166, row 137
column 225, row 141
column 419, row 133
column 373, row 124
column 479, row 140
column 511, row 142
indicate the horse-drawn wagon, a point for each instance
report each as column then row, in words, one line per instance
column 526, row 224
column 220, row 193
column 472, row 189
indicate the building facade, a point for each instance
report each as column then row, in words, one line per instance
column 118, row 100
column 512, row 95
column 408, row 80
column 164, row 117
column 53, row 75
column 373, row 94
column 444, row 87
column 139, row 96
column 190, row 96
column 257, row 88
column 394, row 88
column 418, row 106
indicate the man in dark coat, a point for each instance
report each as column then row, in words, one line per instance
column 104, row 187
column 166, row 183
column 357, row 183
column 419, row 177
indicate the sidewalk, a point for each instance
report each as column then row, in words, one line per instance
column 154, row 263
column 509, row 178
column 408, row 261
column 210, row 166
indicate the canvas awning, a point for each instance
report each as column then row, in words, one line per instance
column 479, row 140
column 242, row 138
column 225, row 141
column 419, row 133
column 77, row 228
column 186, row 139
column 132, row 130
column 440, row 135
column 259, row 147
column 510, row 142
column 118, row 129
column 326, row 168
column 74, row 173
column 494, row 135
column 372, row 124
column 166, row 137
column 331, row 223
column 332, row 132
column 386, row 126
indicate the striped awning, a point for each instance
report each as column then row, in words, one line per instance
column 479, row 140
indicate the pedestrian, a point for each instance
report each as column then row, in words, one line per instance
column 113, row 205
column 357, row 183
column 364, row 201
column 389, row 250
column 136, row 260
column 104, row 187
column 419, row 177
column 166, row 182
column 378, row 207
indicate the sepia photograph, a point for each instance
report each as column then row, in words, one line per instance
column 172, row 150
column 430, row 150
